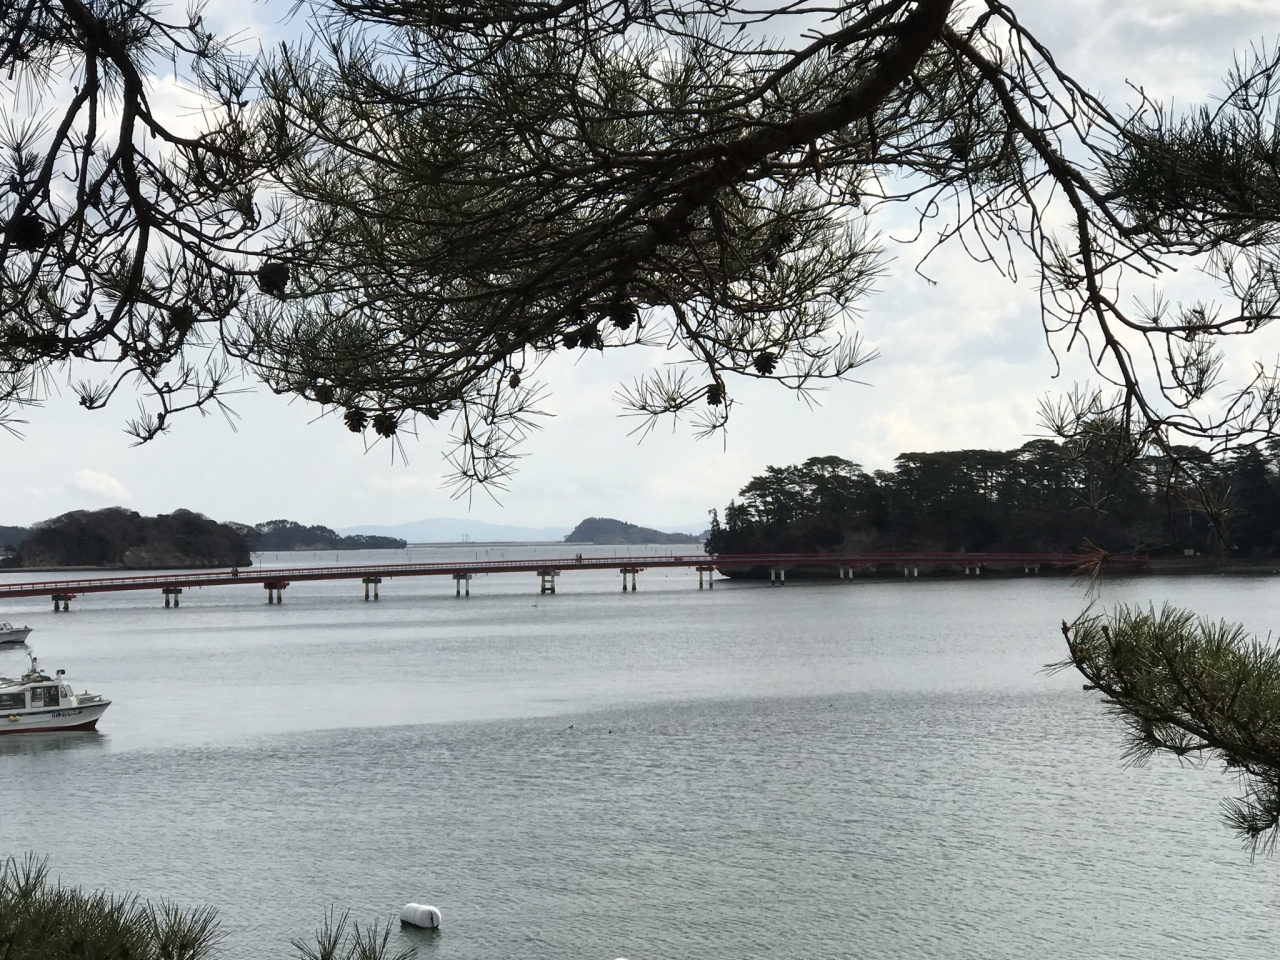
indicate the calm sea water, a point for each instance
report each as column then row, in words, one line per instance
column 876, row 770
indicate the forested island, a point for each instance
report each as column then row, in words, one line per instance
column 116, row 537
column 605, row 530
column 288, row 535
column 1037, row 498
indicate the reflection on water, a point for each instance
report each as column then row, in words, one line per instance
column 427, row 942
column 52, row 742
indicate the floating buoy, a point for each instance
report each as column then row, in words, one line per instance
column 420, row 915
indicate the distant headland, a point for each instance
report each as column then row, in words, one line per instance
column 604, row 530
column 120, row 538
column 287, row 535
column 117, row 538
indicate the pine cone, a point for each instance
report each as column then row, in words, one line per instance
column 622, row 314
column 273, row 278
column 28, row 233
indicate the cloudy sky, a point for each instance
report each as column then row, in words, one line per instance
column 963, row 364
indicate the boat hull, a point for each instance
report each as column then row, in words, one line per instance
column 13, row 638
column 58, row 718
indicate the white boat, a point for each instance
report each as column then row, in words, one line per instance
column 11, row 635
column 35, row 703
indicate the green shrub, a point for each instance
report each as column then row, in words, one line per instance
column 42, row 920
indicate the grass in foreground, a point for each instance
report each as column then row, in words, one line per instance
column 42, row 920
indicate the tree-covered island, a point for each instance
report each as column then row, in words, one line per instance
column 116, row 537
column 1043, row 497
column 288, row 535
column 604, row 530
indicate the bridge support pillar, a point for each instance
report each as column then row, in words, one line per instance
column 65, row 599
column 547, row 580
column 174, row 592
column 371, row 582
column 781, row 575
column 460, row 578
column 710, row 572
column 275, row 590
column 631, row 570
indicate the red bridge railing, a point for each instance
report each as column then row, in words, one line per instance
column 786, row 561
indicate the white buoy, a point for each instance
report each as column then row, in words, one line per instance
column 420, row 915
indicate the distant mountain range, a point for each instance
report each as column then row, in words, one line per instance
column 449, row 530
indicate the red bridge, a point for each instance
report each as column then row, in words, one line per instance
column 778, row 564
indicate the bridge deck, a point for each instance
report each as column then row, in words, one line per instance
column 789, row 561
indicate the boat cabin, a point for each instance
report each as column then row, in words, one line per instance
column 35, row 690
column 21, row 695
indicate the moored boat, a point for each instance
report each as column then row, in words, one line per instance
column 36, row 703
column 11, row 635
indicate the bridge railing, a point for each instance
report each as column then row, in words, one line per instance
column 262, row 575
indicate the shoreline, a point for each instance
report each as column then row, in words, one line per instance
column 1156, row 566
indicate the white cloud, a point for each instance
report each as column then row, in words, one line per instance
column 102, row 484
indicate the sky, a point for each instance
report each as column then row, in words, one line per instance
column 963, row 363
